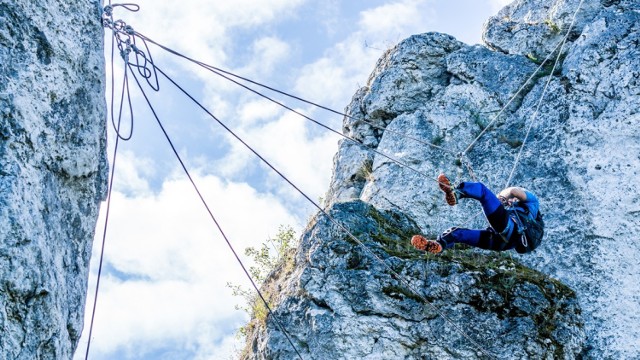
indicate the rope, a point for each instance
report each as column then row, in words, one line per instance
column 221, row 72
column 124, row 36
column 104, row 237
column 466, row 162
column 511, row 100
column 544, row 91
column 143, row 68
column 378, row 152
column 213, row 218
column 145, row 73
column 125, row 85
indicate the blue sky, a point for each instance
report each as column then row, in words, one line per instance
column 162, row 292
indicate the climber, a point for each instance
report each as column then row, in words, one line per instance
column 514, row 216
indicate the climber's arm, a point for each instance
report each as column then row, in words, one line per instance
column 509, row 194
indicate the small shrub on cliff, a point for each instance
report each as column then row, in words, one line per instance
column 274, row 253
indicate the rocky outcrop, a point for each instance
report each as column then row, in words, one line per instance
column 581, row 158
column 52, row 171
column 384, row 300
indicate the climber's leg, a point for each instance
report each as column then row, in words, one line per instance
column 491, row 205
column 483, row 239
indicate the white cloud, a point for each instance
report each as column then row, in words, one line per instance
column 166, row 265
column 331, row 81
column 346, row 66
column 394, row 20
column 266, row 53
column 253, row 112
column 202, row 28
column 288, row 145
column 141, row 317
column 133, row 173
column 496, row 5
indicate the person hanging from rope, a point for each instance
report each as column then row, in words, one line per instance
column 514, row 216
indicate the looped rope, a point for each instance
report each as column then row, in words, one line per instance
column 466, row 162
column 124, row 38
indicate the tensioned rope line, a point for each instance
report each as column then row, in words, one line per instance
column 392, row 159
column 213, row 218
column 123, row 36
column 104, row 236
column 125, row 87
column 461, row 156
column 324, row 212
column 559, row 47
column 544, row 91
column 222, row 73
column 218, row 71
column 467, row 163
column 495, row 118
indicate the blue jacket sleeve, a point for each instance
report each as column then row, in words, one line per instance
column 531, row 203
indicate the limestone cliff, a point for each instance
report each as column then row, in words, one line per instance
column 582, row 159
column 52, row 171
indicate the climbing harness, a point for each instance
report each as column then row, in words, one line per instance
column 531, row 230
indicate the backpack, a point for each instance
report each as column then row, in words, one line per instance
column 530, row 229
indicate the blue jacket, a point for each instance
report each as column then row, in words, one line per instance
column 530, row 207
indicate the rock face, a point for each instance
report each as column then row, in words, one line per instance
column 386, row 301
column 427, row 108
column 52, row 171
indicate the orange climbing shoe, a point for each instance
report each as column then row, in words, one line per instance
column 421, row 243
column 449, row 193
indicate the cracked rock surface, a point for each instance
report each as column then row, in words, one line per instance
column 52, row 171
column 343, row 301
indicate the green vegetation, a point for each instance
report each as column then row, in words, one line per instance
column 548, row 67
column 365, row 172
column 478, row 117
column 514, row 143
column 393, row 240
column 273, row 260
column 534, row 58
column 401, row 293
column 437, row 140
column 496, row 272
column 272, row 253
column 500, row 272
column 552, row 26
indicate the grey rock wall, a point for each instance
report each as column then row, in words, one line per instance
column 582, row 159
column 342, row 301
column 52, row 171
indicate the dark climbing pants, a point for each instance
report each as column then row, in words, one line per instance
column 496, row 214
